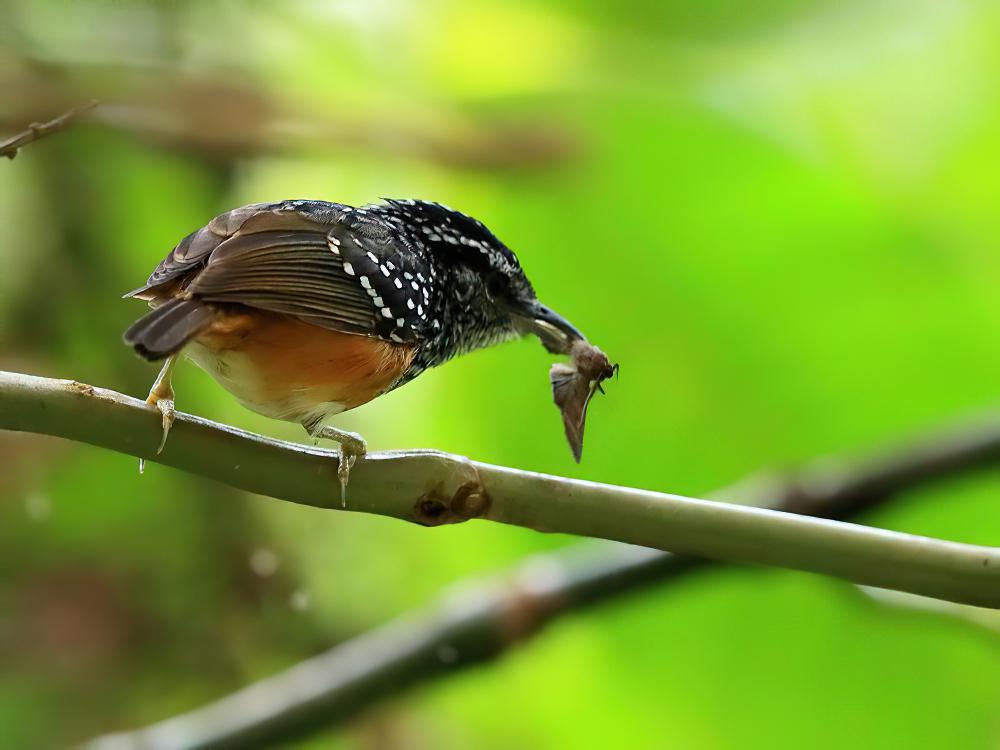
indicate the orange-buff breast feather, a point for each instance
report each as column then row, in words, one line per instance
column 285, row 368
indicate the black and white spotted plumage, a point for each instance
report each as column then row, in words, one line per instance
column 406, row 271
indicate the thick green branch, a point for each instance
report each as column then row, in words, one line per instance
column 433, row 488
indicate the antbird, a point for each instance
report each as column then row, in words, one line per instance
column 304, row 309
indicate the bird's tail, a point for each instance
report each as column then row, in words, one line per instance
column 168, row 327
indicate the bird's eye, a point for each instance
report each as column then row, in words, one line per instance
column 462, row 289
column 495, row 285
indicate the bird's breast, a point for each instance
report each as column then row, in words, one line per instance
column 287, row 369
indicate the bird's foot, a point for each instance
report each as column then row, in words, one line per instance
column 166, row 407
column 352, row 447
column 161, row 395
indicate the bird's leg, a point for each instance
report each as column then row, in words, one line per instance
column 352, row 447
column 162, row 396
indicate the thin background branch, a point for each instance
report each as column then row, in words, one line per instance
column 38, row 130
column 479, row 621
column 221, row 121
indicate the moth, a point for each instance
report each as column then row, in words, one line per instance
column 574, row 384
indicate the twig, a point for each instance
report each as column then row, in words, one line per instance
column 433, row 488
column 38, row 130
column 478, row 621
column 222, row 120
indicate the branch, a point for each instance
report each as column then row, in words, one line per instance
column 477, row 622
column 38, row 130
column 222, row 120
column 433, row 488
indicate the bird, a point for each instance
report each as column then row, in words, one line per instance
column 304, row 309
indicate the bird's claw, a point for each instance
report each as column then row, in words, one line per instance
column 344, row 473
column 166, row 407
column 352, row 447
column 162, row 399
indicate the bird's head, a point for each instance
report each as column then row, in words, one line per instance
column 491, row 272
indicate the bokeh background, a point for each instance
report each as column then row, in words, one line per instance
column 780, row 217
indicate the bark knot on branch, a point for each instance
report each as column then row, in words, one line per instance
column 436, row 507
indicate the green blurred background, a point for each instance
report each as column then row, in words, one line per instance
column 780, row 217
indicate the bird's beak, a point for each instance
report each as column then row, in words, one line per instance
column 557, row 333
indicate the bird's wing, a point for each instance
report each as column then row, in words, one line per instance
column 327, row 264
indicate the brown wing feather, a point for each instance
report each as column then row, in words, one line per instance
column 286, row 272
column 195, row 250
column 327, row 264
column 268, row 256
